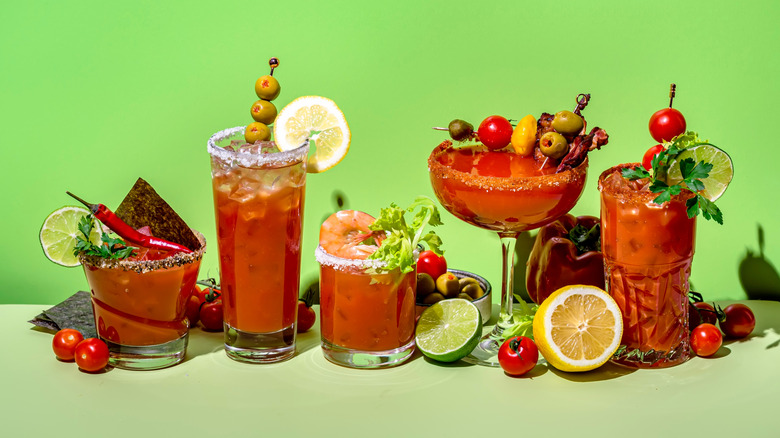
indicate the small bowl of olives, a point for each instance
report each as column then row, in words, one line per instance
column 455, row 284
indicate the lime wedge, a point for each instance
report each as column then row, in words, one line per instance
column 720, row 176
column 59, row 231
column 448, row 330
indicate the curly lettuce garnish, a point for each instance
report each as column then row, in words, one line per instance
column 402, row 238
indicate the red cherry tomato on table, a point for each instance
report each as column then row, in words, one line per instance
column 65, row 342
column 738, row 322
column 666, row 124
column 706, row 340
column 706, row 313
column 91, row 355
column 431, row 264
column 495, row 132
column 211, row 316
column 306, row 317
column 518, row 355
column 647, row 160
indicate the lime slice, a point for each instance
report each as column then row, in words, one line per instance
column 448, row 330
column 59, row 231
column 318, row 120
column 720, row 176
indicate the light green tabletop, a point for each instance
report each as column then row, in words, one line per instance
column 209, row 394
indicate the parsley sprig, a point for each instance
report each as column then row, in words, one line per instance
column 692, row 175
column 110, row 248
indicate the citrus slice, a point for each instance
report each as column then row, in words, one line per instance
column 578, row 328
column 448, row 330
column 59, row 232
column 318, row 120
column 720, row 176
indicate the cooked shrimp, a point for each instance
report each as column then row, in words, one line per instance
column 346, row 234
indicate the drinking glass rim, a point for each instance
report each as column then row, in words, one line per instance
column 325, row 258
column 497, row 182
column 626, row 194
column 141, row 266
column 245, row 158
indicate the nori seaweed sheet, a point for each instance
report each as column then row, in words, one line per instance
column 75, row 312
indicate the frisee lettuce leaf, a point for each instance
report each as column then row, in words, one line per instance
column 402, row 237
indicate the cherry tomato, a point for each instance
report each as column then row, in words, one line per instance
column 706, row 340
column 306, row 317
column 193, row 305
column 495, row 132
column 738, row 322
column 518, row 355
column 65, row 342
column 647, row 160
column 706, row 313
column 431, row 264
column 91, row 355
column 666, row 124
column 211, row 312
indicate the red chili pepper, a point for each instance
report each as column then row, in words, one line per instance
column 128, row 233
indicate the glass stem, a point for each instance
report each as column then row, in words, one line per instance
column 505, row 318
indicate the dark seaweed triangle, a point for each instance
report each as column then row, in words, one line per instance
column 75, row 313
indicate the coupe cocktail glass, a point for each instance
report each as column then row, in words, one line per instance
column 140, row 304
column 648, row 250
column 506, row 193
column 367, row 314
column 258, row 201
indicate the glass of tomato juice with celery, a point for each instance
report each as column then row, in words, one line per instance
column 367, row 306
column 139, row 304
column 648, row 249
column 258, row 202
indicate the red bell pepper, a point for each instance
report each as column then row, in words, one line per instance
column 567, row 251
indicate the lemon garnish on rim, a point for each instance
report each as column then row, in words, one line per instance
column 578, row 328
column 59, row 231
column 318, row 120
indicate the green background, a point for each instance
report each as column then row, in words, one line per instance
column 96, row 95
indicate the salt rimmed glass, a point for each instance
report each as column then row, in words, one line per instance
column 140, row 306
column 507, row 205
column 258, row 202
column 367, row 314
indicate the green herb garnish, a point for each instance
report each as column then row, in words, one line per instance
column 692, row 175
column 397, row 249
column 110, row 248
column 586, row 239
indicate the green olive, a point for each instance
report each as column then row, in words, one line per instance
column 425, row 284
column 466, row 281
column 263, row 111
column 553, row 145
column 267, row 87
column 257, row 131
column 567, row 123
column 433, row 298
column 473, row 290
column 447, row 284
column 460, row 129
column 465, row 296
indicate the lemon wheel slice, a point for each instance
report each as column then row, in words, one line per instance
column 59, row 231
column 720, row 176
column 318, row 120
column 578, row 328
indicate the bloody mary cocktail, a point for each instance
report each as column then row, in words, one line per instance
column 648, row 249
column 367, row 319
column 258, row 200
column 139, row 304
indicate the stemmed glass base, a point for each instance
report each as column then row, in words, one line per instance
column 486, row 352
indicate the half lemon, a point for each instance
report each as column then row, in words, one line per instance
column 578, row 328
column 318, row 120
column 59, row 231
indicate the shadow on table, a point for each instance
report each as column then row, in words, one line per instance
column 608, row 371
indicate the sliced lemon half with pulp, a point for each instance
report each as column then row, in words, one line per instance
column 720, row 176
column 318, row 120
column 578, row 328
column 59, row 231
